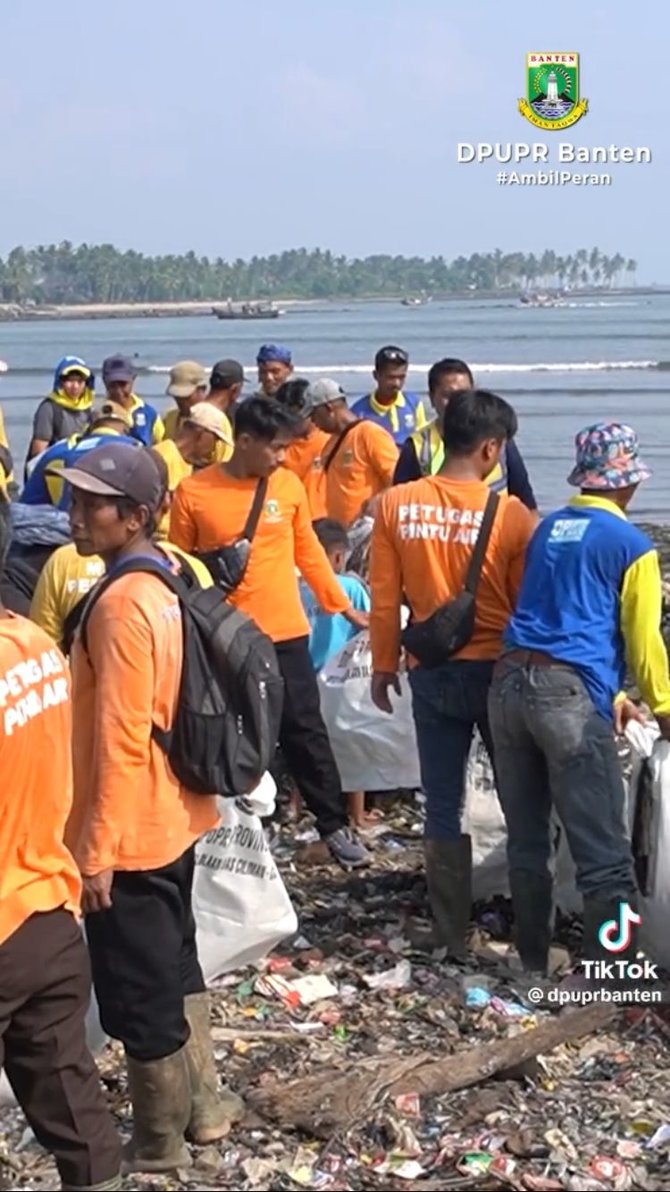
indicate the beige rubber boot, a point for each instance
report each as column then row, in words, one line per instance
column 160, row 1093
column 214, row 1109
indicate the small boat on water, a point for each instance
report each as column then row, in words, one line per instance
column 248, row 310
column 415, row 301
column 550, row 301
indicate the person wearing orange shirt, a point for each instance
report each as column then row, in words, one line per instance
column 304, row 456
column 133, row 826
column 360, row 459
column 210, row 511
column 422, row 545
column 45, row 981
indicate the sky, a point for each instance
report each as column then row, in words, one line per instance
column 239, row 129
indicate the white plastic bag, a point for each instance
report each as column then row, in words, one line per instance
column 653, row 754
column 483, row 819
column 373, row 751
column 241, row 906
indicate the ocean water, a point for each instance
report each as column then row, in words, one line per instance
column 562, row 368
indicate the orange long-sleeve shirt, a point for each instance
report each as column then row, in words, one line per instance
column 37, row 873
column 210, row 510
column 304, row 457
column 422, row 544
column 362, row 467
column 129, row 811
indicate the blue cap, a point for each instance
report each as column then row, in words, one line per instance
column 274, row 354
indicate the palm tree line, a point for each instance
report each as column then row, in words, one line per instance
column 65, row 273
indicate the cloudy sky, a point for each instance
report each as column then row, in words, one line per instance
column 237, row 129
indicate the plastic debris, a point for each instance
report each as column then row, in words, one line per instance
column 476, row 1163
column 348, row 993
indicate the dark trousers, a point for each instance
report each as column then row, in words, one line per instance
column 553, row 748
column 447, row 702
column 304, row 738
column 45, row 990
column 144, row 959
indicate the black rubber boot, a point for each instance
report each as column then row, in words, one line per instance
column 533, row 904
column 449, row 878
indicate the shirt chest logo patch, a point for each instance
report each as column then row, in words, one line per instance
column 409, row 420
column 569, row 529
column 348, row 457
column 272, row 511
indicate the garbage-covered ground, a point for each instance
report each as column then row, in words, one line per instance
column 376, row 1025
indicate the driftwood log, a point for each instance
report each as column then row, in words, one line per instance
column 327, row 1101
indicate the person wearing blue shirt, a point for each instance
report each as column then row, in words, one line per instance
column 119, row 375
column 329, row 633
column 589, row 606
column 43, row 487
column 400, row 413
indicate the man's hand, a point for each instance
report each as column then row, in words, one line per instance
column 97, row 892
column 358, row 619
column 381, row 681
column 625, row 711
column 664, row 725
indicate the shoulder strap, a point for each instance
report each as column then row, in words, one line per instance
column 336, row 447
column 479, row 553
column 149, row 567
column 255, row 511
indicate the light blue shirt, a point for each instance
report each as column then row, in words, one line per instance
column 330, row 632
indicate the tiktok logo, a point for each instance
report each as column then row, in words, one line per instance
column 616, row 934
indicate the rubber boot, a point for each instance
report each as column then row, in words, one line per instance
column 109, row 1186
column 213, row 1110
column 160, row 1093
column 598, row 911
column 533, row 904
column 449, row 878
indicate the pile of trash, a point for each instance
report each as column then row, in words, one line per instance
column 369, row 1066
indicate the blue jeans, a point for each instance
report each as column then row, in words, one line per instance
column 447, row 702
column 553, row 747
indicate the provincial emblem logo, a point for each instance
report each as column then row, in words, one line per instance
column 552, row 90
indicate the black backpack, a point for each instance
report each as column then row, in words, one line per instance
column 231, row 692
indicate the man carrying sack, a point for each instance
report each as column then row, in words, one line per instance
column 455, row 549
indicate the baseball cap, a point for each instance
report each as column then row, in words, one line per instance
column 323, row 391
column 226, row 373
column 274, row 354
column 185, row 378
column 111, row 409
column 608, row 457
column 207, row 417
column 391, row 355
column 72, row 364
column 117, row 470
column 118, row 368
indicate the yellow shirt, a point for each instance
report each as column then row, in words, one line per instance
column 4, row 442
column 172, row 422
column 178, row 470
column 68, row 576
column 65, row 578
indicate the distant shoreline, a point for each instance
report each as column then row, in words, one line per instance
column 13, row 313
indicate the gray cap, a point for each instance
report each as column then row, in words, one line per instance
column 323, row 391
column 117, row 470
